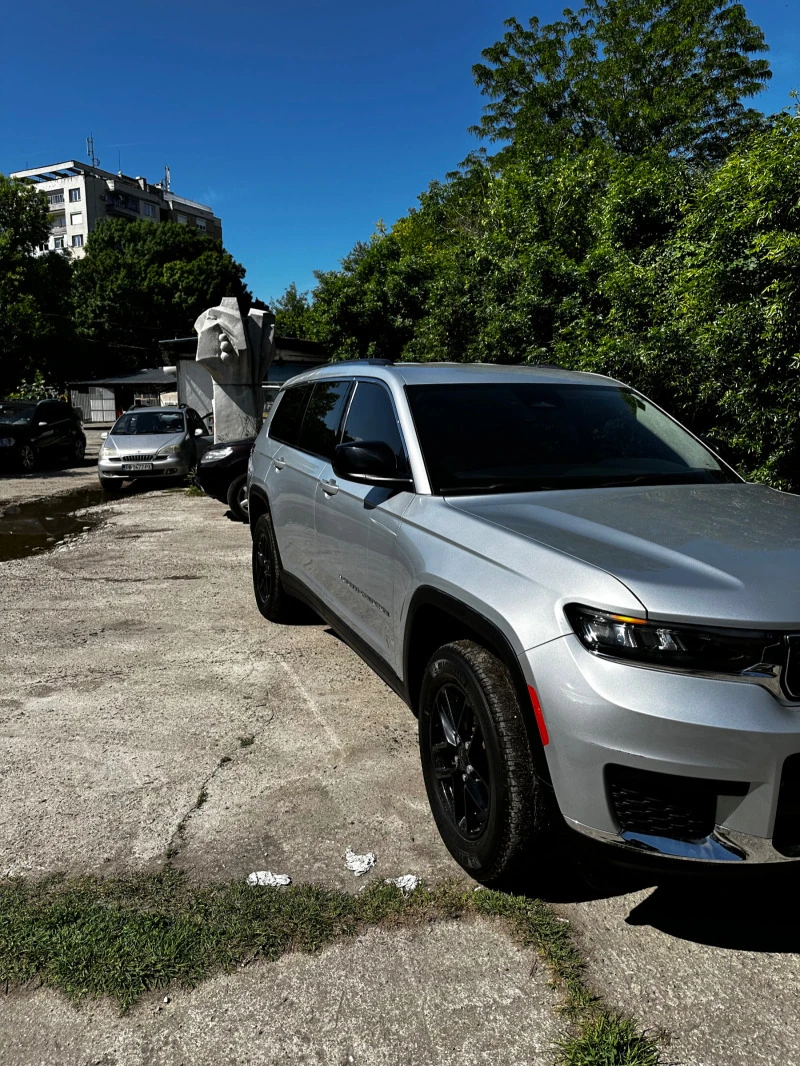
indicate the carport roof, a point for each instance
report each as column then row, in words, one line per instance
column 159, row 375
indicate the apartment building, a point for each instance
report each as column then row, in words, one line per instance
column 81, row 195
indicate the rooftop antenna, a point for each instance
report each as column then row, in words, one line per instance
column 90, row 151
column 167, row 178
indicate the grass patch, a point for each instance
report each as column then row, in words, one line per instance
column 128, row 936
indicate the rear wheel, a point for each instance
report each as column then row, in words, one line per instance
column 78, row 451
column 27, row 458
column 488, row 804
column 271, row 597
column 237, row 498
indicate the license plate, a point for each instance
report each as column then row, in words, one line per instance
column 127, row 467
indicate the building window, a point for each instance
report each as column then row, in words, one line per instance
column 74, row 196
column 43, row 247
column 182, row 219
column 58, row 222
column 201, row 223
column 56, row 197
column 76, row 218
column 149, row 210
column 77, row 240
column 58, row 242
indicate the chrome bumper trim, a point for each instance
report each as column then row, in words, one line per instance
column 723, row 845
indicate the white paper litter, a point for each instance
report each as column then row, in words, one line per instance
column 359, row 864
column 407, row 883
column 267, row 879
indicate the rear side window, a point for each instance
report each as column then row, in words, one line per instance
column 371, row 417
column 285, row 424
column 320, row 430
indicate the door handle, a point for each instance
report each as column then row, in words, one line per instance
column 279, row 463
column 330, row 488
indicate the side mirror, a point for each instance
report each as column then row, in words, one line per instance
column 198, row 432
column 372, row 462
column 104, row 435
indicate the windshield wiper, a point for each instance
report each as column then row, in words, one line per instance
column 689, row 478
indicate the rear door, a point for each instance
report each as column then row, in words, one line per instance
column 357, row 525
column 304, row 432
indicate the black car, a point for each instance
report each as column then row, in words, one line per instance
column 39, row 431
column 222, row 473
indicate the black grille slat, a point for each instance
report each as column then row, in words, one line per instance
column 786, row 834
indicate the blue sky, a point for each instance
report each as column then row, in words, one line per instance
column 301, row 123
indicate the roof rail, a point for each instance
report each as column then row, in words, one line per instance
column 360, row 362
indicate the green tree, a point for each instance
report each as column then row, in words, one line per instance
column 33, row 289
column 294, row 315
column 140, row 282
column 634, row 74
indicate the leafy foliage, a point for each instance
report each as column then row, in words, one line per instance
column 634, row 74
column 141, row 282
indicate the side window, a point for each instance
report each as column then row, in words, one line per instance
column 285, row 424
column 320, row 429
column 50, row 413
column 371, row 417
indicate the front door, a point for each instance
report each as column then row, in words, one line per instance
column 357, row 526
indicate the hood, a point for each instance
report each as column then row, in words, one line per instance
column 725, row 554
column 143, row 443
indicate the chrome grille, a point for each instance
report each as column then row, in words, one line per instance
column 138, row 458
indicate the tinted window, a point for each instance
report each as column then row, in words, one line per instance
column 371, row 417
column 285, row 423
column 322, row 418
column 520, row 437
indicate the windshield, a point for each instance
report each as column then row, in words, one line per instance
column 16, row 414
column 150, row 423
column 499, row 437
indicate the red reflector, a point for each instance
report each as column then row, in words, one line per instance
column 537, row 713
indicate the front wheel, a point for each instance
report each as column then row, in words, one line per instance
column 237, row 498
column 27, row 458
column 111, row 485
column 487, row 801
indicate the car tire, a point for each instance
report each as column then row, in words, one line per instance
column 271, row 598
column 27, row 458
column 111, row 485
column 237, row 498
column 77, row 453
column 490, row 807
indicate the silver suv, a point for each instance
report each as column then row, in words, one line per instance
column 595, row 619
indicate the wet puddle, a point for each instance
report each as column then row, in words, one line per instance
column 30, row 528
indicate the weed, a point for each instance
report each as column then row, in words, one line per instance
column 246, row 742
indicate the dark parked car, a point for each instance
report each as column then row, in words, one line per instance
column 222, row 473
column 34, row 431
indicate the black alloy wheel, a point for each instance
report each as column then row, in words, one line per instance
column 271, row 597
column 460, row 762
column 27, row 457
column 78, row 450
column 237, row 498
column 488, row 803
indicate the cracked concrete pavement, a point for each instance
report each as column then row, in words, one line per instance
column 135, row 664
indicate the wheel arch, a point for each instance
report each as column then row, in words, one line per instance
column 259, row 504
column 436, row 618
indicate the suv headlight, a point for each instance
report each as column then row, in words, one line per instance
column 170, row 449
column 213, row 455
column 699, row 649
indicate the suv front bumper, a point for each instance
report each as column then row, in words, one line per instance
column 171, row 466
column 669, row 764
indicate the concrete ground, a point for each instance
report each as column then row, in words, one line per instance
column 135, row 664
